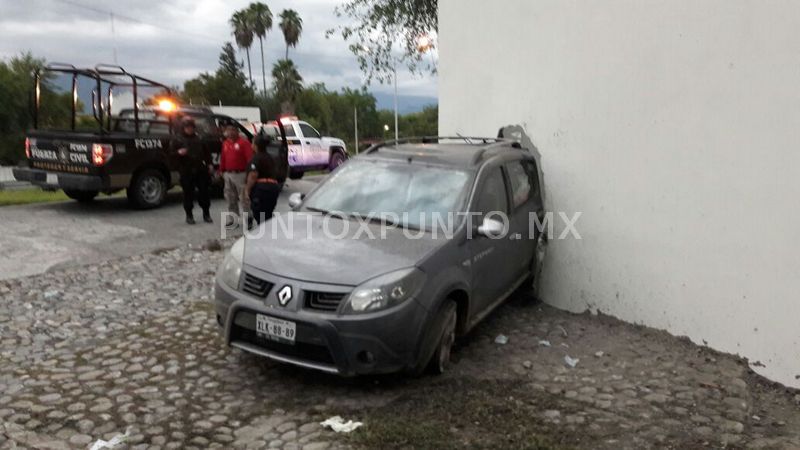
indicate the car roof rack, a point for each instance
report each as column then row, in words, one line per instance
column 486, row 143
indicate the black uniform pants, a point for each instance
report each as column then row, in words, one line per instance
column 195, row 180
column 263, row 198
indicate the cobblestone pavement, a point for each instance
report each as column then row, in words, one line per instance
column 132, row 345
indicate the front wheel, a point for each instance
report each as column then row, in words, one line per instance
column 336, row 160
column 296, row 174
column 148, row 189
column 81, row 196
column 440, row 361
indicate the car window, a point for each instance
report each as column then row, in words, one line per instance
column 492, row 196
column 520, row 183
column 533, row 178
column 308, row 131
column 289, row 129
column 206, row 127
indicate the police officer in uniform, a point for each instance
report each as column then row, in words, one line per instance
column 195, row 167
column 262, row 188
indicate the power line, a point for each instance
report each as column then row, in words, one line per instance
column 106, row 12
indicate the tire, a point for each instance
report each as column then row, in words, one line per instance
column 531, row 286
column 295, row 174
column 440, row 360
column 81, row 196
column 337, row 158
column 148, row 189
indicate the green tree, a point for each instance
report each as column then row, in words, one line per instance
column 244, row 34
column 379, row 27
column 261, row 19
column 228, row 85
column 291, row 26
column 287, row 84
column 16, row 92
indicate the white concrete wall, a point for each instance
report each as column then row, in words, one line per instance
column 674, row 126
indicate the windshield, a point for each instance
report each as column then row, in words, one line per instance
column 415, row 195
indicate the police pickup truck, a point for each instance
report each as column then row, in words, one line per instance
column 107, row 152
column 308, row 150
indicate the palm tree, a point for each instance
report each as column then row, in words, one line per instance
column 243, row 34
column 292, row 26
column 261, row 18
column 287, row 83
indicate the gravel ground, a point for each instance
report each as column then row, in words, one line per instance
column 132, row 345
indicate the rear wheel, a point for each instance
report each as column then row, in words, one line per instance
column 295, row 174
column 337, row 158
column 148, row 189
column 81, row 196
column 440, row 361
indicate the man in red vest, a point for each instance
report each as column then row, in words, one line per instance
column 236, row 154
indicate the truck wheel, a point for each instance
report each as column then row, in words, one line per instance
column 295, row 174
column 148, row 189
column 81, row 196
column 336, row 160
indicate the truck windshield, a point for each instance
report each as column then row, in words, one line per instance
column 414, row 195
column 150, row 122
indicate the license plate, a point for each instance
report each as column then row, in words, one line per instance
column 52, row 178
column 275, row 329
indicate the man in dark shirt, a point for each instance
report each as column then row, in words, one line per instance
column 262, row 188
column 195, row 167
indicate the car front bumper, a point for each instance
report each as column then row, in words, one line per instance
column 382, row 342
column 72, row 181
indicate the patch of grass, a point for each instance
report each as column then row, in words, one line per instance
column 463, row 414
column 26, row 196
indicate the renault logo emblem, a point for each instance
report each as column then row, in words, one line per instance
column 285, row 295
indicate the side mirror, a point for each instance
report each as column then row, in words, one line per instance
column 296, row 199
column 491, row 228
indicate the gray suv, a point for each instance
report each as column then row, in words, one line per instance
column 387, row 260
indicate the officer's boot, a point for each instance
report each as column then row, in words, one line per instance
column 207, row 216
column 189, row 218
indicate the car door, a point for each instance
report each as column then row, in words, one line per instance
column 492, row 273
column 523, row 194
column 210, row 133
column 297, row 154
column 312, row 144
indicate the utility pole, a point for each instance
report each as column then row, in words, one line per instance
column 355, row 122
column 396, row 132
column 114, row 38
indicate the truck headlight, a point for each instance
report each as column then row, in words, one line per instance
column 385, row 291
column 231, row 268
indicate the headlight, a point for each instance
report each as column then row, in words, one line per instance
column 231, row 269
column 385, row 291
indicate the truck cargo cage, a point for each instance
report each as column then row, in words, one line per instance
column 113, row 76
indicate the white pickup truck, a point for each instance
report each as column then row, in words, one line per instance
column 308, row 150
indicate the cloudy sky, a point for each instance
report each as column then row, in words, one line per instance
column 173, row 40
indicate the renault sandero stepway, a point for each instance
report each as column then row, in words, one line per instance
column 390, row 258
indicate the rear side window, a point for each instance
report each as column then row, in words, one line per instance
column 493, row 193
column 533, row 178
column 289, row 129
column 521, row 185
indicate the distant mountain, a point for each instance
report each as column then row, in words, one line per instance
column 405, row 103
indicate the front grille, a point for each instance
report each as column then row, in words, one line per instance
column 256, row 286
column 300, row 350
column 324, row 301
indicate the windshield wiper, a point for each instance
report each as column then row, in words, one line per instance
column 319, row 210
column 383, row 220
